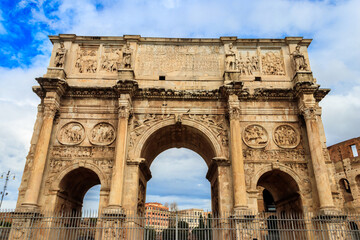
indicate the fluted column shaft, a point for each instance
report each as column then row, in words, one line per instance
column 237, row 161
column 41, row 151
column 318, row 160
column 117, row 180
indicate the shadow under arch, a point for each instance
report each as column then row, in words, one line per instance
column 187, row 134
column 284, row 189
column 72, row 184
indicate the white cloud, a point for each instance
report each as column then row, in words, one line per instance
column 341, row 116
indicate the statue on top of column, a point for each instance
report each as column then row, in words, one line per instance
column 230, row 59
column 60, row 56
column 299, row 60
column 127, row 55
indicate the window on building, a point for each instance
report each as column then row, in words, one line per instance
column 354, row 150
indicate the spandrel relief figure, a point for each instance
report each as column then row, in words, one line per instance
column 60, row 56
column 231, row 61
column 127, row 57
column 299, row 60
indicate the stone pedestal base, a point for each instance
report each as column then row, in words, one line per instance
column 243, row 226
column 331, row 227
column 230, row 76
column 53, row 72
column 24, row 225
column 126, row 74
column 303, row 77
column 112, row 223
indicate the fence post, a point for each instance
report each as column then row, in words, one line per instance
column 176, row 226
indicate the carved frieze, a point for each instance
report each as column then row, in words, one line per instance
column 71, row 133
column 285, row 136
column 80, row 152
column 102, row 134
column 86, row 60
column 110, row 59
column 274, row 155
column 255, row 136
column 272, row 62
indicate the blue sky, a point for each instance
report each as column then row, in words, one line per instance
column 25, row 51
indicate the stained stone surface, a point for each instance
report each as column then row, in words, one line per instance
column 110, row 105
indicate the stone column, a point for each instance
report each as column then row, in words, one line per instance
column 117, row 180
column 318, row 161
column 54, row 89
column 237, row 161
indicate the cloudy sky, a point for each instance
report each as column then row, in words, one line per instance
column 25, row 50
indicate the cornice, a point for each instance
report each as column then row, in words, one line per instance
column 220, row 40
column 161, row 93
column 103, row 92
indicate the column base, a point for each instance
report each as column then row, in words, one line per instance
column 328, row 211
column 28, row 207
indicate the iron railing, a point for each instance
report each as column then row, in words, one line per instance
column 88, row 225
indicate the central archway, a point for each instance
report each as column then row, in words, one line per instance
column 185, row 134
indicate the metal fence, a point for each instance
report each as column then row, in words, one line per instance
column 89, row 225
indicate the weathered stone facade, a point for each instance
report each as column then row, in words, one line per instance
column 110, row 105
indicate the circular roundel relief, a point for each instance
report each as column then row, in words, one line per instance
column 255, row 136
column 285, row 136
column 71, row 133
column 102, row 134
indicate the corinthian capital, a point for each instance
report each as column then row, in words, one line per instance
column 234, row 113
column 124, row 111
column 50, row 110
column 309, row 113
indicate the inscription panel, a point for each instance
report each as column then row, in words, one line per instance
column 184, row 61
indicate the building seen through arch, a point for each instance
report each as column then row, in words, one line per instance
column 248, row 107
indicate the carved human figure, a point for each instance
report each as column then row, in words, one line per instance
column 285, row 136
column 127, row 55
column 231, row 61
column 255, row 136
column 299, row 60
column 60, row 56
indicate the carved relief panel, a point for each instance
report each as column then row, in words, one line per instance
column 102, row 134
column 249, row 62
column 86, row 60
column 272, row 62
column 111, row 59
column 285, row 136
column 71, row 133
column 255, row 136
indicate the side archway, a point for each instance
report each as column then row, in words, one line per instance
column 283, row 186
column 72, row 184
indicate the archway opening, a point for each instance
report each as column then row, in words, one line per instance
column 178, row 176
column 73, row 187
column 282, row 189
column 183, row 166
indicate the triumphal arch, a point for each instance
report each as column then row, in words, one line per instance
column 110, row 105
